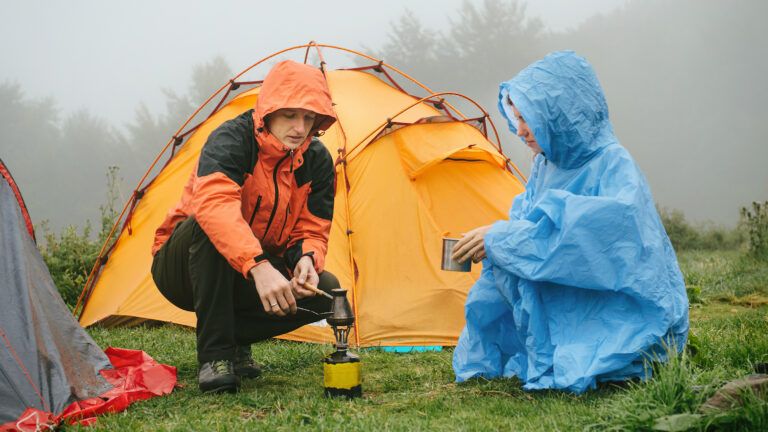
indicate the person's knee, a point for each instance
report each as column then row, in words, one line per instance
column 155, row 271
column 170, row 290
column 169, row 266
column 328, row 281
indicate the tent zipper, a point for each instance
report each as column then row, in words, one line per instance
column 277, row 194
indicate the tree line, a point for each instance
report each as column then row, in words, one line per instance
column 64, row 161
column 684, row 81
column 674, row 72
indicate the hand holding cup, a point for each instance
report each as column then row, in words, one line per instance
column 471, row 245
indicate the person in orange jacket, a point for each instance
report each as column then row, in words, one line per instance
column 252, row 227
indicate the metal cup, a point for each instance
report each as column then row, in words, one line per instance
column 450, row 264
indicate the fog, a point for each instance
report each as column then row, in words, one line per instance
column 90, row 84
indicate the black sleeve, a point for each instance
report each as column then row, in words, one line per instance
column 230, row 149
column 320, row 202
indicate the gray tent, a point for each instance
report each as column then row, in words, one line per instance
column 47, row 360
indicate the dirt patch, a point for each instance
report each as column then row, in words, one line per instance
column 751, row 301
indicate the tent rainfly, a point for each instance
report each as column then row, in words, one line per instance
column 51, row 371
column 46, row 359
column 409, row 170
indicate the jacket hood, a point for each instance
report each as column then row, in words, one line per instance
column 562, row 102
column 295, row 85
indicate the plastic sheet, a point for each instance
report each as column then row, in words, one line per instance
column 136, row 376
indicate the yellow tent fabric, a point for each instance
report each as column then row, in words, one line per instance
column 397, row 195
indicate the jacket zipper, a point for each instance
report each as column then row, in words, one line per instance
column 277, row 194
column 285, row 221
column 255, row 209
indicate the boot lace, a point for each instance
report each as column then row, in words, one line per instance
column 221, row 367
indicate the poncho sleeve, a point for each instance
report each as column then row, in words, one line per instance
column 586, row 241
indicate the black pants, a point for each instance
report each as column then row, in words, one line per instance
column 194, row 276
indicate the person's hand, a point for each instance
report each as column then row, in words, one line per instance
column 479, row 256
column 471, row 245
column 274, row 290
column 304, row 272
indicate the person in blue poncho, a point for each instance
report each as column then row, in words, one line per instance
column 581, row 284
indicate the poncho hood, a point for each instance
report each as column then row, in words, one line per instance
column 561, row 100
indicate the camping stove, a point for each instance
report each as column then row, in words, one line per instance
column 341, row 369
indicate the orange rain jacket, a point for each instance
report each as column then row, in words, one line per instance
column 251, row 194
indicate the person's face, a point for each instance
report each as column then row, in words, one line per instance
column 524, row 132
column 291, row 125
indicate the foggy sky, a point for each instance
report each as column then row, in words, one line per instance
column 107, row 57
column 81, row 51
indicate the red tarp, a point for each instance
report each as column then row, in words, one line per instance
column 136, row 376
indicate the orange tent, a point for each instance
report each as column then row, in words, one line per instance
column 409, row 170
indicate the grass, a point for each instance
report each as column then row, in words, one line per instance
column 725, row 275
column 417, row 392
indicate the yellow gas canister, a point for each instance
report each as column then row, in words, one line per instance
column 341, row 373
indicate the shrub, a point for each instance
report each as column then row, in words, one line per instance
column 70, row 255
column 755, row 222
column 686, row 236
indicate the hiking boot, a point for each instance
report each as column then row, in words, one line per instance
column 218, row 376
column 244, row 365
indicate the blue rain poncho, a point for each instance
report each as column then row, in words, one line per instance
column 581, row 284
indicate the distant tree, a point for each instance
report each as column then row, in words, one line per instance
column 207, row 78
column 148, row 133
column 687, row 101
column 491, row 42
column 28, row 132
column 483, row 43
column 59, row 163
column 82, row 133
column 27, row 127
column 56, row 162
column 409, row 46
column 88, row 147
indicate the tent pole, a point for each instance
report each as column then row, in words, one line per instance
column 352, row 265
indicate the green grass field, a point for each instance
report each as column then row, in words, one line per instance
column 729, row 316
